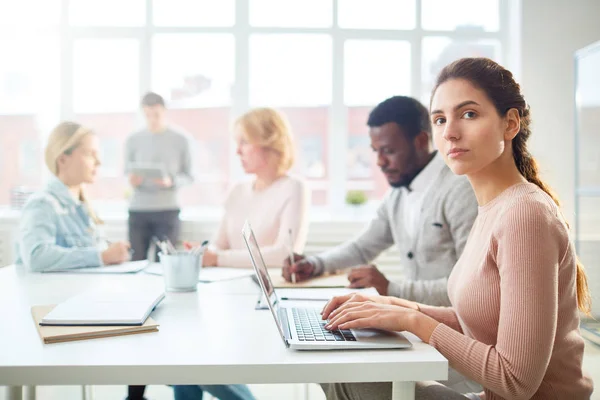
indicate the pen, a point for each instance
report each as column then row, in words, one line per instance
column 130, row 250
column 160, row 245
column 292, row 255
column 200, row 249
column 299, row 299
column 170, row 246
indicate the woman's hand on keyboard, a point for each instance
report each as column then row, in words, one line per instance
column 363, row 315
column 338, row 301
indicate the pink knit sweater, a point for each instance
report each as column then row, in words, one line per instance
column 514, row 324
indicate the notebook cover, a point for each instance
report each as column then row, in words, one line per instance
column 58, row 334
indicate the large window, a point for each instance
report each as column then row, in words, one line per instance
column 324, row 63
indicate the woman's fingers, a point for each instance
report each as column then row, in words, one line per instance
column 344, row 307
column 354, row 312
column 333, row 304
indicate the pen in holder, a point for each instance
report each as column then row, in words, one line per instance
column 181, row 270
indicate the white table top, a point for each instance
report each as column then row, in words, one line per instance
column 211, row 336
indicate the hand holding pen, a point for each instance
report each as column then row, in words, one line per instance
column 116, row 253
column 300, row 266
column 291, row 248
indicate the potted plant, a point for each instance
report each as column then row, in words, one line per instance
column 356, row 198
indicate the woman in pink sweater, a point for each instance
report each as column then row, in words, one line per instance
column 517, row 289
column 275, row 203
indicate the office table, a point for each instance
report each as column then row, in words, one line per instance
column 212, row 336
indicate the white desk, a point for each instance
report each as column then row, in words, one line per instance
column 213, row 336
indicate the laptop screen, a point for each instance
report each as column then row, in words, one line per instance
column 262, row 273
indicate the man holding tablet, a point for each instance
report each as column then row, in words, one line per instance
column 158, row 162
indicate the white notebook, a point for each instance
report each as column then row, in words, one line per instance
column 130, row 267
column 106, row 307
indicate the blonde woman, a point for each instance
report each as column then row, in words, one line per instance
column 58, row 227
column 275, row 203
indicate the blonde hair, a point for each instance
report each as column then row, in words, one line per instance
column 63, row 139
column 270, row 129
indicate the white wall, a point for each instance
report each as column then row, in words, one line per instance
column 551, row 31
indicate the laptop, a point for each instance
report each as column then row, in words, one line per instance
column 302, row 328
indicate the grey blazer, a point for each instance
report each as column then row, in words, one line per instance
column 448, row 212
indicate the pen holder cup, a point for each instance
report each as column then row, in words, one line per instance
column 181, row 271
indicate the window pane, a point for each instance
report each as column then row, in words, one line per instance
column 209, row 129
column 291, row 13
column 443, row 15
column 193, row 70
column 29, row 109
column 588, row 120
column 309, row 128
column 361, row 163
column 29, row 80
column 290, row 70
column 107, row 12
column 375, row 70
column 194, row 13
column 376, row 14
column 18, row 13
column 105, row 75
column 441, row 51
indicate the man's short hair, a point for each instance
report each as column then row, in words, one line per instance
column 152, row 99
column 405, row 111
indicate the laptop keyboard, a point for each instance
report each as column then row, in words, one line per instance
column 311, row 328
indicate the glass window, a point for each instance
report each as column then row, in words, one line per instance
column 310, row 127
column 18, row 14
column 107, row 12
column 193, row 13
column 109, row 156
column 105, row 75
column 441, row 51
column 293, row 72
column 29, row 81
column 30, row 156
column 443, row 15
column 29, row 109
column 210, row 141
column 375, row 70
column 361, row 163
column 291, row 13
column 195, row 73
column 193, row 70
column 377, row 14
column 290, row 70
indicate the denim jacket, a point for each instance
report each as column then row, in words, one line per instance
column 56, row 232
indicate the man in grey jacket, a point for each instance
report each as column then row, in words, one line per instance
column 427, row 214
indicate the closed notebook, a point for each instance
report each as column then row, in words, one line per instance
column 106, row 306
column 58, row 334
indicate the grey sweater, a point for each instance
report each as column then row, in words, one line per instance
column 448, row 212
column 169, row 150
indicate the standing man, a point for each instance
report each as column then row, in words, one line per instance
column 158, row 162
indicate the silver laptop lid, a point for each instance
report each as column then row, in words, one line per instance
column 262, row 274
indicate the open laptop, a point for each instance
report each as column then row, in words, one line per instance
column 303, row 328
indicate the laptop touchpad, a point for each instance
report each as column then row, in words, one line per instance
column 371, row 333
